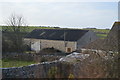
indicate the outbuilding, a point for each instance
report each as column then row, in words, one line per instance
column 66, row 40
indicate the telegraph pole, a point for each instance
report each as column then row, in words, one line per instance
column 65, row 42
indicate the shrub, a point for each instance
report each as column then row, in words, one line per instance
column 71, row 76
column 43, row 59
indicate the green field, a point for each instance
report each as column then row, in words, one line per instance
column 31, row 28
column 27, row 29
column 102, row 36
column 102, row 33
column 6, row 63
column 99, row 30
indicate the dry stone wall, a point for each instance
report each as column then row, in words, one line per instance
column 55, row 69
column 91, row 67
column 31, row 71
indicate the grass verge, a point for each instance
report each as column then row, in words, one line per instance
column 6, row 63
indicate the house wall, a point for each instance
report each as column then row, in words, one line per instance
column 86, row 39
column 60, row 45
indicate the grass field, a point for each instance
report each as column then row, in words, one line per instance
column 27, row 29
column 102, row 33
column 32, row 28
column 102, row 36
column 99, row 30
column 6, row 63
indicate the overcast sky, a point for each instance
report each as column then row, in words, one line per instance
column 63, row 14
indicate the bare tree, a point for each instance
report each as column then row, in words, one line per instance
column 16, row 25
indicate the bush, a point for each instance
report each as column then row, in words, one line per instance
column 52, row 72
column 43, row 59
column 11, row 43
column 49, row 51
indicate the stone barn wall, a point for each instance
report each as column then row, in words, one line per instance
column 57, row 44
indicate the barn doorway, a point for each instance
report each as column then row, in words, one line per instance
column 68, row 49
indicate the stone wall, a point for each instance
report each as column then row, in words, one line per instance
column 57, row 69
column 92, row 67
column 32, row 71
column 57, row 44
column 43, row 70
column 60, row 45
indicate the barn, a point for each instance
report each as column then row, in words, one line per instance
column 66, row 40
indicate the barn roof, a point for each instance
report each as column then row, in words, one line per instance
column 57, row 34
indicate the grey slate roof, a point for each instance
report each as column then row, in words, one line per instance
column 57, row 34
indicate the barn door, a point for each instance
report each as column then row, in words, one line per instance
column 68, row 49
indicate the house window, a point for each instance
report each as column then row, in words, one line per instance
column 68, row 49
